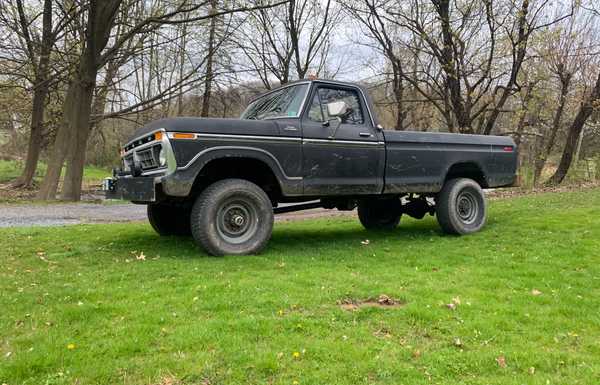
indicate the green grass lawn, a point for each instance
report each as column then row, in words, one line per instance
column 10, row 169
column 79, row 306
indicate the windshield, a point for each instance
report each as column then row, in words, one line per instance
column 285, row 102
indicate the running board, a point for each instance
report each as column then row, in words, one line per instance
column 299, row 207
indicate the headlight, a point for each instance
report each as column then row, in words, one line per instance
column 162, row 157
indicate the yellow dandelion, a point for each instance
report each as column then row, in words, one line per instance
column 296, row 354
column 280, row 312
column 71, row 346
column 295, row 382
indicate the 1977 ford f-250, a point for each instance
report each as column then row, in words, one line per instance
column 304, row 145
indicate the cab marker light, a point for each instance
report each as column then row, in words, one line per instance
column 508, row 149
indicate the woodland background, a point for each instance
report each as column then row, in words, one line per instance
column 78, row 76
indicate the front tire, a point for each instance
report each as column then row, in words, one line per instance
column 380, row 214
column 169, row 220
column 461, row 207
column 232, row 216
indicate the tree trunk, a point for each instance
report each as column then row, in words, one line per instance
column 35, row 137
column 521, row 128
column 79, row 126
column 209, row 63
column 448, row 62
column 586, row 109
column 540, row 162
column 519, row 52
column 59, row 150
column 40, row 92
column 182, row 56
column 523, row 114
column 398, row 85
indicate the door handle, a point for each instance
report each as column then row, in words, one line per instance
column 365, row 135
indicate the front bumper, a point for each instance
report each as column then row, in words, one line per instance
column 135, row 189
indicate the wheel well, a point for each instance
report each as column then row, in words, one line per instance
column 467, row 170
column 253, row 170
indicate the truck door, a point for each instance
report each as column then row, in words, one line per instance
column 348, row 160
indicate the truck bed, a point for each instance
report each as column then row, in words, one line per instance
column 421, row 161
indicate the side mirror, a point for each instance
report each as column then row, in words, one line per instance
column 337, row 109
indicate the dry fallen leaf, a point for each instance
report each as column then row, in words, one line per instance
column 501, row 361
column 536, row 292
column 141, row 257
column 365, row 242
column 532, row 370
column 416, row 354
column 458, row 342
column 451, row 306
column 385, row 300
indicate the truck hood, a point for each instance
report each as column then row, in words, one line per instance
column 211, row 126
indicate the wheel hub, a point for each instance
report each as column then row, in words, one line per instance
column 236, row 221
column 467, row 207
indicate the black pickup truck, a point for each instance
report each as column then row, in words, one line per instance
column 304, row 145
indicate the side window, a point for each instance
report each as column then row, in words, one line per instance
column 329, row 95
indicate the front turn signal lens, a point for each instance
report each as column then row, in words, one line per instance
column 158, row 135
column 183, row 135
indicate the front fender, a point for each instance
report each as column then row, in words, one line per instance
column 181, row 181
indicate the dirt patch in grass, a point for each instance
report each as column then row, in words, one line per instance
column 383, row 301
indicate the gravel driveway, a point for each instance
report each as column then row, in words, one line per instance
column 58, row 214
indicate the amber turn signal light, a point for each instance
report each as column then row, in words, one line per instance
column 182, row 135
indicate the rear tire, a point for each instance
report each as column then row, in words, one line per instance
column 380, row 214
column 461, row 207
column 232, row 216
column 169, row 220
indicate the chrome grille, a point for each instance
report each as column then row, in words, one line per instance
column 146, row 158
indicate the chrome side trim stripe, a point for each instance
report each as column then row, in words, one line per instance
column 334, row 141
column 243, row 137
column 282, row 139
